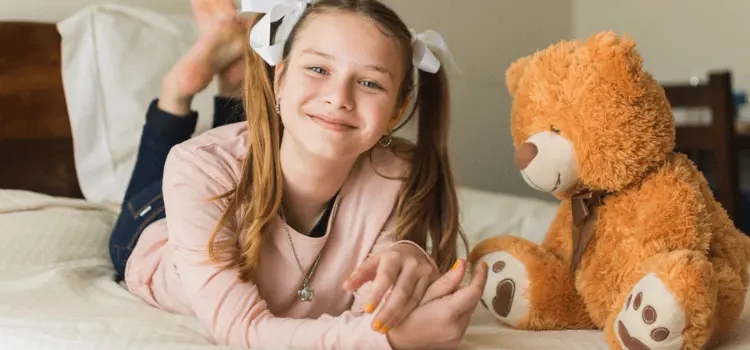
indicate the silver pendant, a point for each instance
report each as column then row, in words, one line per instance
column 305, row 293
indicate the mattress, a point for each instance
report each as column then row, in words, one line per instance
column 57, row 292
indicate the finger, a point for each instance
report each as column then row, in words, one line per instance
column 410, row 304
column 385, row 278
column 446, row 284
column 362, row 274
column 399, row 295
column 468, row 296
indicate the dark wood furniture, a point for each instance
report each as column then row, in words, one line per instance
column 719, row 138
column 36, row 144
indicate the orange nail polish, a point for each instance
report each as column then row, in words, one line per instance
column 455, row 265
column 377, row 325
column 369, row 308
column 385, row 329
column 484, row 263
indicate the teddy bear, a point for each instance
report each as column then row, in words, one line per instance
column 639, row 247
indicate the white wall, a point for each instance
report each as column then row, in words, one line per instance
column 677, row 38
column 486, row 36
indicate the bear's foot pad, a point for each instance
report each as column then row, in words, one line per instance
column 504, row 292
column 651, row 317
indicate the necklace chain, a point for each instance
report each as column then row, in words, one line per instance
column 305, row 293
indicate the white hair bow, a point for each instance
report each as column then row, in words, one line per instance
column 430, row 51
column 260, row 36
column 429, row 47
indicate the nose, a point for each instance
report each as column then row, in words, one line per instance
column 340, row 95
column 525, row 154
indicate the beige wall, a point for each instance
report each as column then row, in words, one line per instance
column 485, row 36
column 677, row 38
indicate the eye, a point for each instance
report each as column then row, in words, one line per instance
column 554, row 129
column 370, row 84
column 318, row 70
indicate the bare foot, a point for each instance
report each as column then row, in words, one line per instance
column 213, row 53
column 206, row 12
column 210, row 13
column 230, row 79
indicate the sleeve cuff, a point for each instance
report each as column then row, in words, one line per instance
column 168, row 124
column 429, row 258
column 228, row 110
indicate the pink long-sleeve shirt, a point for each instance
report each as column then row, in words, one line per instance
column 170, row 267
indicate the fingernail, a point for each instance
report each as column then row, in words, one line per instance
column 369, row 308
column 377, row 325
column 484, row 264
column 385, row 329
column 455, row 265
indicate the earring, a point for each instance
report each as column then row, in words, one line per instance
column 278, row 107
column 385, row 141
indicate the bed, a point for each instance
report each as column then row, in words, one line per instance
column 56, row 281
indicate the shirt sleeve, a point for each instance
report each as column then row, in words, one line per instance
column 233, row 311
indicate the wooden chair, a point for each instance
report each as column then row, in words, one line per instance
column 719, row 137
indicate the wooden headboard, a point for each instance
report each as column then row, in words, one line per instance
column 36, row 146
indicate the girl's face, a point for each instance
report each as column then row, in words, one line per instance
column 339, row 92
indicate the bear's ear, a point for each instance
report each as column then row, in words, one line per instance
column 514, row 73
column 616, row 56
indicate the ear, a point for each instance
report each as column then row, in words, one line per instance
column 514, row 73
column 278, row 77
column 616, row 56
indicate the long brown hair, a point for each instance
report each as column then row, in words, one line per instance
column 427, row 206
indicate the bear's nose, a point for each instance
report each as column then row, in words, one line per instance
column 525, row 154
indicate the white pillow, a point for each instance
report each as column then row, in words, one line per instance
column 486, row 214
column 113, row 59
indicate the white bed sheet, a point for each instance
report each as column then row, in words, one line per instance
column 56, row 290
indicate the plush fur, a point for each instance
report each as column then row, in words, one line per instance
column 666, row 268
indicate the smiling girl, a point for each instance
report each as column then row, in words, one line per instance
column 308, row 224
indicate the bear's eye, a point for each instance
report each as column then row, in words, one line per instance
column 554, row 129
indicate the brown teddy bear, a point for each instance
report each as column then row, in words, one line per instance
column 639, row 246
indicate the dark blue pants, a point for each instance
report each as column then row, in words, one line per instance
column 143, row 203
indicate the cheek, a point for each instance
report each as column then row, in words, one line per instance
column 377, row 112
column 298, row 88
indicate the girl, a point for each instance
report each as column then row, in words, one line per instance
column 307, row 224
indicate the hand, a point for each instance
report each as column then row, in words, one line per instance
column 406, row 272
column 440, row 322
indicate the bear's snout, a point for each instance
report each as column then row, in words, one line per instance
column 525, row 154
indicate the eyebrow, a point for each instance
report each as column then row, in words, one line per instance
column 331, row 57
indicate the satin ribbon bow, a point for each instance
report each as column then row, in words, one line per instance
column 585, row 206
column 289, row 11
column 430, row 51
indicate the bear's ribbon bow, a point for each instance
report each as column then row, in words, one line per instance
column 585, row 211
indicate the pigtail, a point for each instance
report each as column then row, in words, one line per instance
column 428, row 203
column 257, row 196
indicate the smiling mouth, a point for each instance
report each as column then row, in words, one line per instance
column 330, row 124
